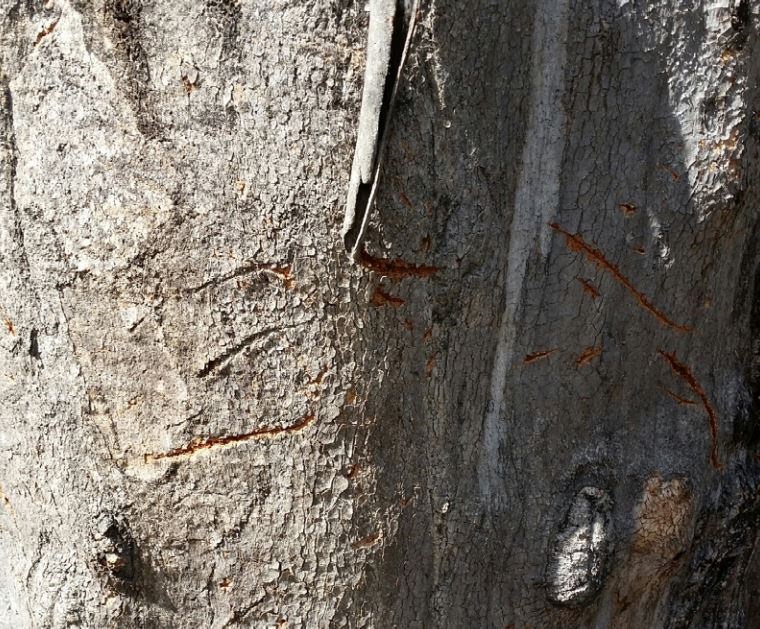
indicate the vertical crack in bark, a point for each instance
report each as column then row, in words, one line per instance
column 683, row 372
column 592, row 254
column 9, row 144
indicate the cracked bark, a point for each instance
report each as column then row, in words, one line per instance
column 534, row 401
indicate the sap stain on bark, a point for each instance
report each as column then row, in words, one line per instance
column 578, row 559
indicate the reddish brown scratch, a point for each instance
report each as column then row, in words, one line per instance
column 671, row 171
column 681, row 401
column 45, row 31
column 9, row 325
column 682, row 371
column 381, row 298
column 629, row 209
column 318, row 378
column 282, row 273
column 405, row 200
column 587, row 355
column 589, row 288
column 352, row 472
column 591, row 253
column 536, row 356
column 395, row 269
column 639, row 249
column 212, row 442
column 367, row 542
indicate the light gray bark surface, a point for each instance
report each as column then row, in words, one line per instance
column 534, row 403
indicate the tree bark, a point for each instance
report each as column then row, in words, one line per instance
column 533, row 403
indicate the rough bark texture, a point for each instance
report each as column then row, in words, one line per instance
column 533, row 404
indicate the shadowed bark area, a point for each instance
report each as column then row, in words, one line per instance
column 532, row 402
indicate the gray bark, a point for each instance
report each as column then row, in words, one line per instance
column 533, row 403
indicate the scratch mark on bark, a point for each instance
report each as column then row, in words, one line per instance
column 368, row 541
column 592, row 254
column 46, row 31
column 681, row 401
column 318, row 378
column 587, row 355
column 233, row 351
column 394, row 269
column 228, row 440
column 629, row 209
column 589, row 288
column 281, row 272
column 381, row 298
column 683, row 372
column 536, row 356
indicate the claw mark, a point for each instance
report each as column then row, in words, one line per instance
column 46, row 31
column 587, row 355
column 536, row 356
column 233, row 351
column 279, row 272
column 381, row 298
column 629, row 209
column 682, row 371
column 368, row 541
column 9, row 325
column 318, row 378
column 589, row 288
column 592, row 254
column 216, row 442
column 395, row 269
column 681, row 401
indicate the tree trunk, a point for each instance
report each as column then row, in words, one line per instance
column 533, row 403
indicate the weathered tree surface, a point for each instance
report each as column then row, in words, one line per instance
column 534, row 403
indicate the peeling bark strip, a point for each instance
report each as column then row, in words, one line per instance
column 216, row 442
column 592, row 254
column 390, row 32
column 683, row 372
